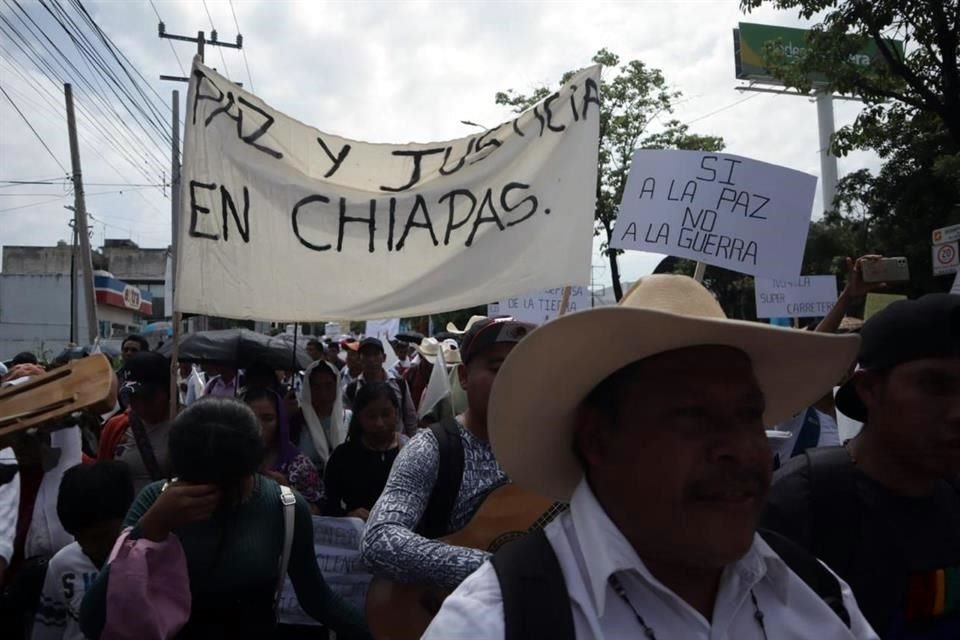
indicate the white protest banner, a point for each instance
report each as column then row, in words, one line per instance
column 721, row 209
column 336, row 542
column 280, row 220
column 541, row 307
column 803, row 297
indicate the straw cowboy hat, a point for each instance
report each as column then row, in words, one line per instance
column 534, row 399
column 452, row 328
column 429, row 347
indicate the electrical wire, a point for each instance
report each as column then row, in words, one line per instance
column 32, row 204
column 226, row 72
column 170, row 42
column 729, row 106
column 88, row 184
column 115, row 50
column 57, row 113
column 122, row 148
column 39, row 137
column 106, row 105
column 102, row 158
column 243, row 51
column 147, row 109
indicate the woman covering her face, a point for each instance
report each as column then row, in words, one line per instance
column 357, row 471
column 282, row 461
column 228, row 519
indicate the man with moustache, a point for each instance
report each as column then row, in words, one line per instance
column 656, row 439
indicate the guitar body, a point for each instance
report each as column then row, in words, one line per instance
column 403, row 611
column 87, row 383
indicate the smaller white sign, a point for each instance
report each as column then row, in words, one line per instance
column 383, row 329
column 336, row 542
column 542, row 307
column 803, row 297
column 955, row 289
column 946, row 258
column 946, row 234
column 332, row 329
column 721, row 209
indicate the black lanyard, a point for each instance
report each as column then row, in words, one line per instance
column 649, row 632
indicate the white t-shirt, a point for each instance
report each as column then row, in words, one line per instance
column 69, row 574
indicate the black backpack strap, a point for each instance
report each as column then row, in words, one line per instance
column 536, row 603
column 834, row 506
column 436, row 517
column 142, row 440
column 810, row 570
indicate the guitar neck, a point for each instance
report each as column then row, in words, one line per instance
column 549, row 516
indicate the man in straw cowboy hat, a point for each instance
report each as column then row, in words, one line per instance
column 656, row 439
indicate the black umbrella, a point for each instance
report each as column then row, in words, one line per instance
column 75, row 353
column 241, row 348
column 409, row 336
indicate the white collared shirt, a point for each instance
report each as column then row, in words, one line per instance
column 590, row 549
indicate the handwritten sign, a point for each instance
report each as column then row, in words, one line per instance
column 541, row 307
column 337, row 545
column 803, row 297
column 282, row 221
column 721, row 209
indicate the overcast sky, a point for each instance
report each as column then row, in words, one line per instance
column 386, row 71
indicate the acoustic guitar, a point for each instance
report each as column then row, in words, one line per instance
column 403, row 611
column 85, row 384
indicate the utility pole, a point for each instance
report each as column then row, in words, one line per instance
column 80, row 219
column 177, row 318
column 201, row 41
column 174, row 188
column 828, row 161
column 74, row 312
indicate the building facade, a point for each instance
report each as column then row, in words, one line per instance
column 35, row 295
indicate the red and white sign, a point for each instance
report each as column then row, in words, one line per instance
column 946, row 234
column 946, row 258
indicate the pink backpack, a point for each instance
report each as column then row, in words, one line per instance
column 148, row 594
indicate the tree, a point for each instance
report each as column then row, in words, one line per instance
column 631, row 101
column 911, row 118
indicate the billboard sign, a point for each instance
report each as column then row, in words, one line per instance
column 750, row 45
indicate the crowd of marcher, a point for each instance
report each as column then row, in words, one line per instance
column 704, row 488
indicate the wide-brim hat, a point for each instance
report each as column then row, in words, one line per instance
column 430, row 347
column 534, row 400
column 452, row 328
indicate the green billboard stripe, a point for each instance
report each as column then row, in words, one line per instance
column 753, row 39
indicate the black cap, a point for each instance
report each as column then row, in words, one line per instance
column 907, row 330
column 371, row 342
column 148, row 369
column 489, row 332
column 24, row 357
